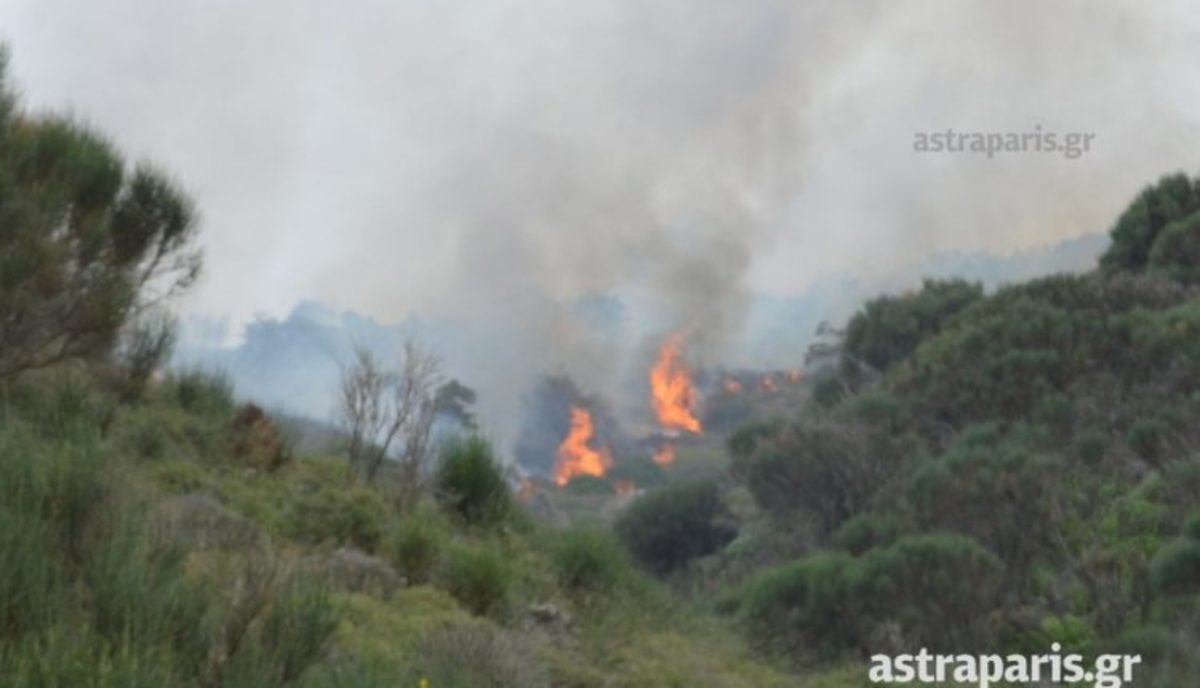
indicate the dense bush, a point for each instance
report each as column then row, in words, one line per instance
column 1150, row 232
column 479, row 577
column 935, row 590
column 202, row 392
column 470, row 482
column 415, row 547
column 669, row 527
column 803, row 607
column 824, row 470
column 1176, row 568
column 292, row 634
column 888, row 328
column 868, row 530
column 589, row 559
column 340, row 513
column 87, row 240
column 996, row 490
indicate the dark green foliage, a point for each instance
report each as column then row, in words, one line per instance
column 297, row 628
column 1176, row 568
column 667, row 528
column 454, row 400
column 868, row 530
column 145, row 347
column 480, row 578
column 1090, row 445
column 202, row 392
column 999, row 492
column 824, row 470
column 935, row 588
column 339, row 513
column 806, row 604
column 590, row 485
column 889, row 328
column 415, row 547
column 86, row 239
column 1103, row 343
column 589, row 559
column 140, row 595
column 1191, row 529
column 470, row 483
column 1152, row 231
column 639, row 470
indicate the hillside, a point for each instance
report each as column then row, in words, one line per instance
column 967, row 467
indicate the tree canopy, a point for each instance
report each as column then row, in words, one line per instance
column 88, row 240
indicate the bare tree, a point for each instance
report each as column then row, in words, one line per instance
column 381, row 411
column 361, row 406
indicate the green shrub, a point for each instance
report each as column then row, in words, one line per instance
column 888, row 328
column 1173, row 198
column 1191, row 529
column 479, row 578
column 937, row 587
column 471, row 484
column 64, row 656
column 1176, row 567
column 936, row 590
column 996, row 489
column 868, row 530
column 822, row 470
column 588, row 559
column 339, row 513
column 1090, row 445
column 639, row 470
column 202, row 392
column 415, row 547
column 296, row 628
column 141, row 596
column 667, row 528
column 807, row 605
column 29, row 574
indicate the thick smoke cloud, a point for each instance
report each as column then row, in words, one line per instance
column 495, row 162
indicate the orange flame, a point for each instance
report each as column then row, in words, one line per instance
column 665, row 454
column 768, row 384
column 731, row 385
column 575, row 456
column 671, row 388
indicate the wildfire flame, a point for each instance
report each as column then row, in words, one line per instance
column 768, row 384
column 671, row 388
column 664, row 454
column 575, row 455
column 731, row 385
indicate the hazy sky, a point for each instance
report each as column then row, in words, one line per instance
column 483, row 156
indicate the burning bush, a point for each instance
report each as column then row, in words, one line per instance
column 554, row 411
